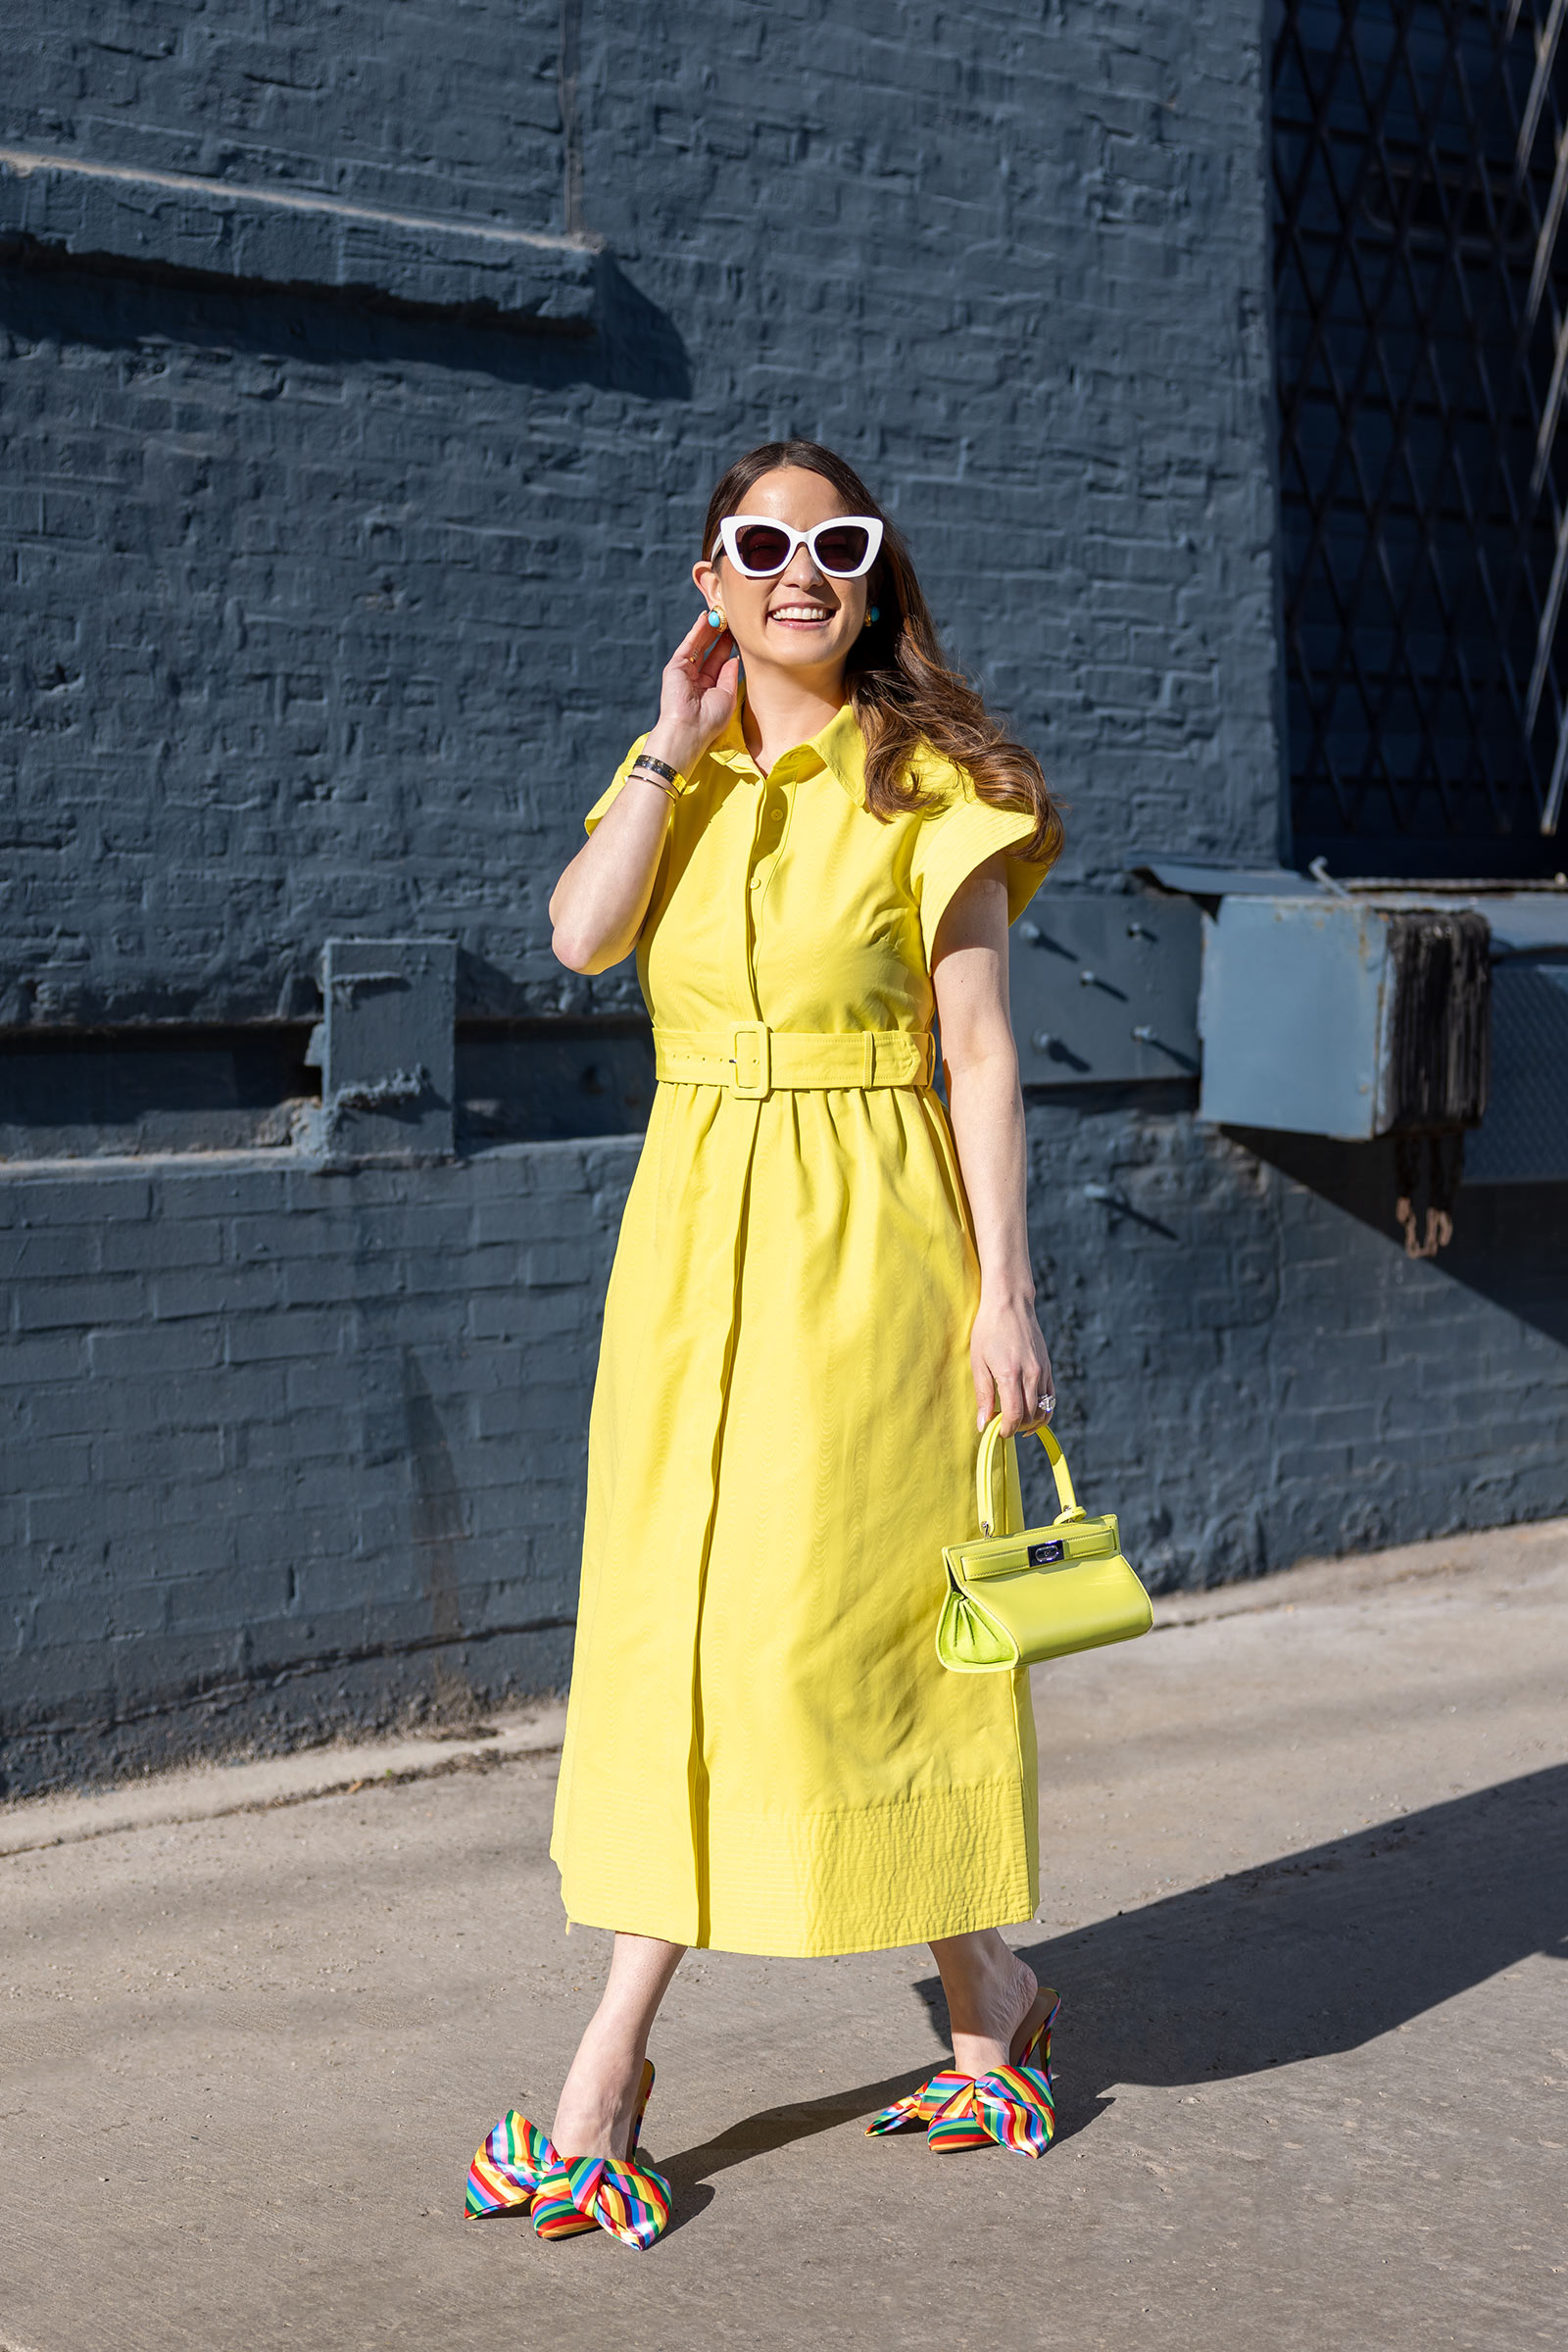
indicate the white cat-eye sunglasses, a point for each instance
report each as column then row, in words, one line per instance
column 844, row 546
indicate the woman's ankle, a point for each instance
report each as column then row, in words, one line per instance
column 990, row 1993
column 599, row 2097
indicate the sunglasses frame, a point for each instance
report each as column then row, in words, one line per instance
column 732, row 526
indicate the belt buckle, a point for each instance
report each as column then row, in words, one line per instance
column 753, row 1061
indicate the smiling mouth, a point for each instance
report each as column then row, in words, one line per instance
column 801, row 616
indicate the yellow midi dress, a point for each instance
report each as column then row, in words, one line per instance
column 762, row 1754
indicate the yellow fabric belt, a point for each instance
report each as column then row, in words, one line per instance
column 752, row 1060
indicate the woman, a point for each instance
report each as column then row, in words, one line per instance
column 762, row 1754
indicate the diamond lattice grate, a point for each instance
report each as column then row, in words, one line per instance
column 1421, row 321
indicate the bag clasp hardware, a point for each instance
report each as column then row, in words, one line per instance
column 753, row 1061
column 1043, row 1555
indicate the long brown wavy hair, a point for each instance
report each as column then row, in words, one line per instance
column 901, row 688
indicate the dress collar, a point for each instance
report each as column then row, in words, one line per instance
column 839, row 747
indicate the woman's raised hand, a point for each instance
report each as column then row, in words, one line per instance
column 598, row 905
column 697, row 694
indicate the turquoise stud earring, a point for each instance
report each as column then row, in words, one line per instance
column 716, row 618
column 875, row 614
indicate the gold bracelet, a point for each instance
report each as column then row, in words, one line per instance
column 649, row 775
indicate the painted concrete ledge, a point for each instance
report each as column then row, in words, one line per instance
column 1522, row 1554
column 213, row 1792
column 175, row 222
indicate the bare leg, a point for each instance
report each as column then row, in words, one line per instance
column 992, row 1997
column 594, row 2117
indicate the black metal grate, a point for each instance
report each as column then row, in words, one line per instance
column 1421, row 322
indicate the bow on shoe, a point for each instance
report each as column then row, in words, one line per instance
column 1013, row 2108
column 510, row 2162
column 958, row 2125
column 517, row 2167
column 1018, row 2109
column 920, row 2108
column 553, row 2213
column 629, row 2200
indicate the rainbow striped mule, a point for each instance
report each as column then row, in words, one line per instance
column 1014, row 2107
column 518, row 2166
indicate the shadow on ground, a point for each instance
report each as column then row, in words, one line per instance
column 1303, row 1957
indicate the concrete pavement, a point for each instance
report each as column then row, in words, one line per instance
column 1304, row 1893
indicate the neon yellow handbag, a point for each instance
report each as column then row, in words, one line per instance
column 1014, row 1599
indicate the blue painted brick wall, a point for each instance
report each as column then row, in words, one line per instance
column 323, row 620
column 279, row 1432
column 327, row 620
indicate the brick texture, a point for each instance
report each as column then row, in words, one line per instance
column 323, row 620
column 1252, row 1370
column 338, row 1462
column 327, row 620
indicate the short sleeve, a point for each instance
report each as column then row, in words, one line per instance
column 957, row 840
column 612, row 787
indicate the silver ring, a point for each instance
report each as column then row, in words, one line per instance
column 1046, row 1405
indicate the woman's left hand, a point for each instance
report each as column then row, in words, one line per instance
column 1011, row 1366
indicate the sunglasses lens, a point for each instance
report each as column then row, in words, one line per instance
column 761, row 548
column 842, row 548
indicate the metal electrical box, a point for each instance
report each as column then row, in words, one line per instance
column 1340, row 1016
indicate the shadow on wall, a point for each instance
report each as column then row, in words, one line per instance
column 634, row 347
column 1510, row 1242
column 437, row 1527
column 1312, row 1954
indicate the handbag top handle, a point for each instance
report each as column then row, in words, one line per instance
column 986, row 1470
